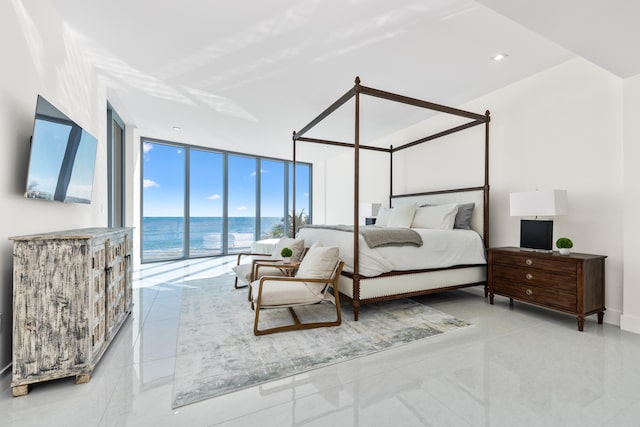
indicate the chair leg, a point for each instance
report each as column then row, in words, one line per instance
column 235, row 284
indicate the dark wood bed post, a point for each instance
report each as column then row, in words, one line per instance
column 293, row 216
column 356, row 205
column 487, row 115
column 390, row 173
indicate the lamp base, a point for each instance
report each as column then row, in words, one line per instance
column 536, row 234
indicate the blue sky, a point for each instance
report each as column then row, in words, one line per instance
column 163, row 181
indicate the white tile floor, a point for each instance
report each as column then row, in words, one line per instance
column 520, row 366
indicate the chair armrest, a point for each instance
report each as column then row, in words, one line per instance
column 241, row 254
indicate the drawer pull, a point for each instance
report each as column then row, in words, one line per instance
column 529, row 292
column 529, row 261
column 529, row 276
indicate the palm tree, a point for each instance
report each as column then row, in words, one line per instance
column 278, row 229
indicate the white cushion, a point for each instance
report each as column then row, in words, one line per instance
column 439, row 216
column 318, row 263
column 276, row 292
column 296, row 246
column 243, row 271
column 402, row 215
column 383, row 216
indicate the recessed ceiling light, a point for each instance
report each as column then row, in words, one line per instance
column 499, row 57
column 176, row 128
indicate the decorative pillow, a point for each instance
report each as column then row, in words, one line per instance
column 318, row 262
column 296, row 246
column 402, row 215
column 383, row 217
column 463, row 217
column 439, row 216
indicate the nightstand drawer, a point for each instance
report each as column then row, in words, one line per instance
column 536, row 294
column 533, row 277
column 522, row 260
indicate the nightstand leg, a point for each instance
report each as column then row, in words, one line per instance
column 511, row 302
column 600, row 317
column 490, row 298
column 580, row 323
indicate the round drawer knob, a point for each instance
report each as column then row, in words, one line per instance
column 529, row 292
column 529, row 261
column 529, row 276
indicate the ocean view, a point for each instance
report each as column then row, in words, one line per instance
column 163, row 237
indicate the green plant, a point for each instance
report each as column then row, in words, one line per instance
column 286, row 252
column 278, row 229
column 564, row 243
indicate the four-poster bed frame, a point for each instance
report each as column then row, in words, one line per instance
column 470, row 275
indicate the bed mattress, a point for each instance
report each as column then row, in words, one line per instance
column 440, row 249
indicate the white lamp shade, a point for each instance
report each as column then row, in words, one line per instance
column 539, row 203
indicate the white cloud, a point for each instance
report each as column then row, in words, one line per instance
column 213, row 197
column 149, row 183
column 242, row 208
column 147, row 146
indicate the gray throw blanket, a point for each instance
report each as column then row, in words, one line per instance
column 378, row 236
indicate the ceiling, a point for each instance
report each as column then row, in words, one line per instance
column 243, row 75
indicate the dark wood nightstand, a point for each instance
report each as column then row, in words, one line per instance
column 572, row 283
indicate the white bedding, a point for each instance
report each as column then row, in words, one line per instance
column 440, row 249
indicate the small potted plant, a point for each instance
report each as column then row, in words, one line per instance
column 286, row 254
column 564, row 245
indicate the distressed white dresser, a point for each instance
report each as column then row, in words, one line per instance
column 71, row 295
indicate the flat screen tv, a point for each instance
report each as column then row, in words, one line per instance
column 536, row 234
column 62, row 158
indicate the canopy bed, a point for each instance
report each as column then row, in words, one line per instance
column 372, row 274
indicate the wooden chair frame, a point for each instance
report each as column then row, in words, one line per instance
column 297, row 325
column 253, row 265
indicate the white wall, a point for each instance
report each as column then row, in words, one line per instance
column 559, row 129
column 631, row 310
column 40, row 57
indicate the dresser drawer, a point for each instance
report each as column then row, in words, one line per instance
column 533, row 277
column 547, row 264
column 536, row 294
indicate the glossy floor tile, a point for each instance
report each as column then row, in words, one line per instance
column 517, row 366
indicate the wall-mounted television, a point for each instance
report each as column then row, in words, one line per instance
column 62, row 158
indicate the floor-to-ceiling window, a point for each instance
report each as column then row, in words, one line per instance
column 273, row 208
column 204, row 202
column 241, row 209
column 163, row 201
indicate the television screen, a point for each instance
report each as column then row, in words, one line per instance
column 62, row 159
column 536, row 234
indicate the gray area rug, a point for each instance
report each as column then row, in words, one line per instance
column 217, row 352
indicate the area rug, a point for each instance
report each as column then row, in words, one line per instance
column 217, row 352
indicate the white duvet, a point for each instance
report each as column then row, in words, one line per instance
column 440, row 248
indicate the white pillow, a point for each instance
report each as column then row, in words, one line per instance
column 296, row 246
column 319, row 262
column 439, row 216
column 402, row 215
column 383, row 216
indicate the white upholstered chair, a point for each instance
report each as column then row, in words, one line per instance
column 245, row 271
column 319, row 270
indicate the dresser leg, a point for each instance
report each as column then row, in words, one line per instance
column 580, row 323
column 600, row 317
column 21, row 390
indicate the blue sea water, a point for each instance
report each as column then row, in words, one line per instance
column 164, row 236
